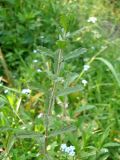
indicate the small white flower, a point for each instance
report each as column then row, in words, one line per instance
column 86, row 67
column 40, row 115
column 92, row 19
column 38, row 154
column 84, row 82
column 69, row 150
column 23, row 127
column 35, row 60
column 26, row 91
column 39, row 70
column 72, row 153
column 41, row 37
column 34, row 51
column 6, row 91
column 63, row 147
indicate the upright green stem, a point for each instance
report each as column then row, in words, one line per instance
column 64, row 107
column 53, row 92
column 52, row 97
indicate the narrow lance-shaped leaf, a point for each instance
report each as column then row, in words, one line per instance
column 111, row 68
column 27, row 134
column 62, row 131
column 69, row 90
column 84, row 108
column 112, row 144
column 74, row 54
column 10, row 144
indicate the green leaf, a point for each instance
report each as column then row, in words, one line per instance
column 2, row 101
column 74, row 54
column 111, row 68
column 71, row 78
column 69, row 90
column 10, row 143
column 112, row 144
column 27, row 134
column 62, row 131
column 5, row 129
column 85, row 108
column 45, row 51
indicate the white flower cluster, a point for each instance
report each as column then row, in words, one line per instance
column 69, row 150
column 35, row 61
column 86, row 67
column 39, row 70
column 6, row 91
column 92, row 19
column 84, row 82
column 26, row 91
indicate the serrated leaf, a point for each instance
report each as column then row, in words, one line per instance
column 74, row 54
column 69, row 90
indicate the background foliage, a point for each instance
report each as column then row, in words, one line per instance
column 32, row 34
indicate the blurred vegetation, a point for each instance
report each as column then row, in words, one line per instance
column 33, row 36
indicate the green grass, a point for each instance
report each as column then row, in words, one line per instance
column 45, row 45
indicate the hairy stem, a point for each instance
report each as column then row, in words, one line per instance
column 52, row 98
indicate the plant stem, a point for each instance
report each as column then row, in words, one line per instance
column 52, row 98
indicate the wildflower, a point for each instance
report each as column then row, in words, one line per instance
column 35, row 60
column 6, row 91
column 86, row 67
column 92, row 19
column 39, row 70
column 84, row 82
column 41, row 37
column 23, row 127
column 69, row 150
column 72, row 153
column 63, row 147
column 40, row 115
column 26, row 91
column 34, row 51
